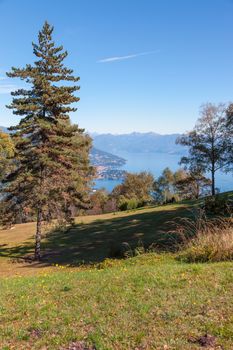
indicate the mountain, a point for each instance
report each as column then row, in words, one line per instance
column 138, row 143
column 98, row 157
column 135, row 142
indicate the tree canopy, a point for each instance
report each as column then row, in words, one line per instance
column 207, row 142
column 136, row 187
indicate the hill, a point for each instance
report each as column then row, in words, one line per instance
column 94, row 238
column 103, row 158
column 138, row 142
column 148, row 302
column 81, row 243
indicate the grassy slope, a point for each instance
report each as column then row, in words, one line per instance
column 148, row 302
column 90, row 240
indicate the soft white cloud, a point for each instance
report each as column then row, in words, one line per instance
column 126, row 57
column 7, row 88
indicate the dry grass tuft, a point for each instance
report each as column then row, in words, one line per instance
column 205, row 240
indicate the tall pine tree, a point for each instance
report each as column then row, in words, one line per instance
column 52, row 155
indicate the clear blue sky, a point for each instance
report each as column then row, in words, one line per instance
column 145, row 65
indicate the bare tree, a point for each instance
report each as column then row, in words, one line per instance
column 208, row 141
column 229, row 127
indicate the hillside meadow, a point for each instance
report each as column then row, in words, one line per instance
column 79, row 298
column 90, row 240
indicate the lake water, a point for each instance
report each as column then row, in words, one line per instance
column 156, row 163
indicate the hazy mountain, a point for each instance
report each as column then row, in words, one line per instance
column 97, row 157
column 138, row 142
column 135, row 142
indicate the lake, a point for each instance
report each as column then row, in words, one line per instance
column 156, row 163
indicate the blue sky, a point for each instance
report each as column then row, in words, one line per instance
column 145, row 65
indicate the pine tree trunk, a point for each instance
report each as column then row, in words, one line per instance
column 197, row 191
column 213, row 182
column 38, row 235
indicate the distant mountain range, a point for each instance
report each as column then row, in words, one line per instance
column 98, row 157
column 135, row 142
column 138, row 143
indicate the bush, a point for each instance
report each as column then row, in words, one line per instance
column 218, row 205
column 124, row 250
column 128, row 204
column 120, row 250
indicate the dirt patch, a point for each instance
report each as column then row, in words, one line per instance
column 206, row 341
column 35, row 333
column 78, row 346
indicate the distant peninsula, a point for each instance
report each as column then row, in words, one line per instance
column 107, row 165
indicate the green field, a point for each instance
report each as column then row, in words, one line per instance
column 151, row 301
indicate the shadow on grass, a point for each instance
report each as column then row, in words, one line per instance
column 92, row 242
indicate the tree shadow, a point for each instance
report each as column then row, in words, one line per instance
column 92, row 242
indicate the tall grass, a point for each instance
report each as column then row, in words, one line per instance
column 206, row 239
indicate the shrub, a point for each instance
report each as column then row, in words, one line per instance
column 120, row 250
column 123, row 205
column 218, row 205
column 128, row 204
column 125, row 250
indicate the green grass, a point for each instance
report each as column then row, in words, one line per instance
column 148, row 302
